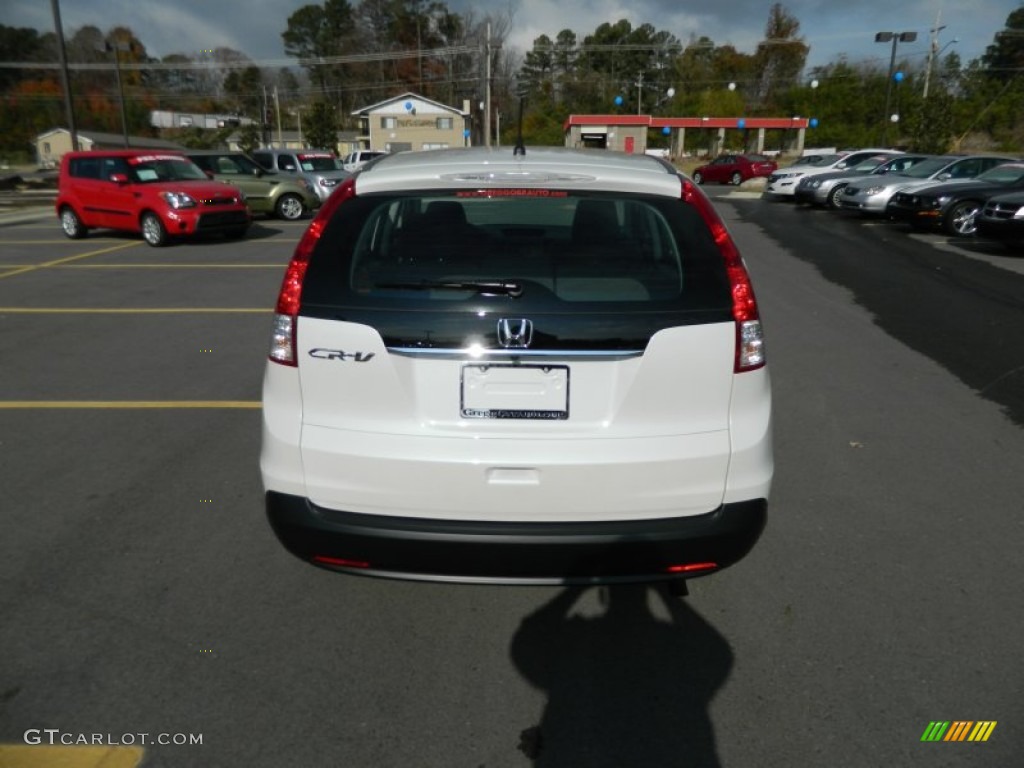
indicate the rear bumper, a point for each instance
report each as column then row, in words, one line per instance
column 516, row 552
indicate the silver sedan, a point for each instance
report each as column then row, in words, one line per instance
column 825, row 188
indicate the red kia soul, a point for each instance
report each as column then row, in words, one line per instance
column 160, row 194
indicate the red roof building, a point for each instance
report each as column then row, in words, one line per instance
column 630, row 133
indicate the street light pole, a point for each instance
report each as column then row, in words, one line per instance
column 895, row 37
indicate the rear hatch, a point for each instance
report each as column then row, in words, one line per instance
column 571, row 351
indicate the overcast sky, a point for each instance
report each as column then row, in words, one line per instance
column 830, row 27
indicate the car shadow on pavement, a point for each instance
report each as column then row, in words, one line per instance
column 624, row 688
column 262, row 229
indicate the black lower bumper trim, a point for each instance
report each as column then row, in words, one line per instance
column 516, row 552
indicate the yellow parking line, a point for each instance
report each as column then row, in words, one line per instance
column 124, row 404
column 135, row 311
column 172, row 266
column 64, row 241
column 154, row 266
column 26, row 756
column 46, row 264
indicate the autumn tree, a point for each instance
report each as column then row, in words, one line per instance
column 316, row 34
column 536, row 76
column 993, row 87
column 321, row 126
column 16, row 44
column 780, row 57
column 243, row 88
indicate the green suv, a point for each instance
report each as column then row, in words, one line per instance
column 266, row 192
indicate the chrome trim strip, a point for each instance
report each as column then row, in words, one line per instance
column 485, row 354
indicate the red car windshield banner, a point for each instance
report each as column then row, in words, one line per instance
column 154, row 158
column 513, row 193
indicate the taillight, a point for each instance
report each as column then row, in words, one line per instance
column 749, row 334
column 691, row 567
column 339, row 562
column 289, row 299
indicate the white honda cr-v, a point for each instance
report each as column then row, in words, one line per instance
column 520, row 366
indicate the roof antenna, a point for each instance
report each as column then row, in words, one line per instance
column 520, row 148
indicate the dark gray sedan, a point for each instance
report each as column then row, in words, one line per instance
column 952, row 207
column 1002, row 219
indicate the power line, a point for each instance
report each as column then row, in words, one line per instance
column 355, row 58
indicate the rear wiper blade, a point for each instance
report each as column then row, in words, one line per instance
column 484, row 288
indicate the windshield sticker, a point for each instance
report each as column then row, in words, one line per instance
column 154, row 158
column 513, row 193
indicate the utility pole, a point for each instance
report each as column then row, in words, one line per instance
column 933, row 46
column 69, row 109
column 115, row 47
column 934, row 51
column 419, row 46
column 277, row 109
column 639, row 92
column 487, row 89
column 265, row 120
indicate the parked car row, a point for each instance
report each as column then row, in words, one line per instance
column 171, row 194
column 952, row 207
column 824, row 189
column 284, row 197
column 960, row 195
column 783, row 182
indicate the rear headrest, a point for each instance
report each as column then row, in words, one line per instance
column 594, row 221
column 445, row 213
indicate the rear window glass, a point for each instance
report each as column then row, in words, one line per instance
column 541, row 246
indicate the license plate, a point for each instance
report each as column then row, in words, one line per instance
column 503, row 391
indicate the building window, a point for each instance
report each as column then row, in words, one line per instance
column 444, row 123
column 389, row 123
column 435, row 145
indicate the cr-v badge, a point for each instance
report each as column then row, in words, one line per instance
column 338, row 354
column 515, row 333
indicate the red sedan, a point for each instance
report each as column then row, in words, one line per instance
column 734, row 169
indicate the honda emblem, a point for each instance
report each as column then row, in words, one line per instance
column 515, row 333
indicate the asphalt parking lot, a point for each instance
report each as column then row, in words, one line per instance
column 199, row 307
column 143, row 592
column 109, row 344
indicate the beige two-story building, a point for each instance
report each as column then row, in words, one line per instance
column 412, row 122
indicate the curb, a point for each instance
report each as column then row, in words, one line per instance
column 25, row 214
